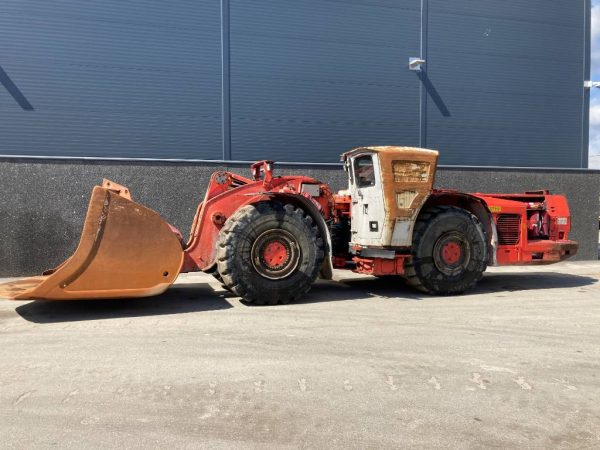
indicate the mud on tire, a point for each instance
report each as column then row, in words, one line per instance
column 449, row 252
column 269, row 253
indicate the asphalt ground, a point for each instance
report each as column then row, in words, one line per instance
column 359, row 363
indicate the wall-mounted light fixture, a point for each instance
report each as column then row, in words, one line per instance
column 415, row 64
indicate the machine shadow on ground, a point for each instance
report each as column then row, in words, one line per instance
column 179, row 299
column 395, row 287
column 526, row 281
column 360, row 289
column 200, row 296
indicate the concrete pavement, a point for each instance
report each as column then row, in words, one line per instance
column 359, row 363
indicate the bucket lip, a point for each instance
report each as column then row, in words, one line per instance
column 17, row 288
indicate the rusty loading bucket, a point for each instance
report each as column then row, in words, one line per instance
column 126, row 250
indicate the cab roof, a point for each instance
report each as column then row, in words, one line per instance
column 388, row 149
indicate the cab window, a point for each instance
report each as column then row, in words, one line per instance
column 364, row 172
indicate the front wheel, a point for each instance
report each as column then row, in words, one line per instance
column 269, row 253
column 449, row 252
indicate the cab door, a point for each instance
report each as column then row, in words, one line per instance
column 367, row 200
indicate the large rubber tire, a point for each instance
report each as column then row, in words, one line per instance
column 449, row 252
column 217, row 276
column 340, row 237
column 243, row 241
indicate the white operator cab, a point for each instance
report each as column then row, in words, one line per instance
column 388, row 186
column 367, row 199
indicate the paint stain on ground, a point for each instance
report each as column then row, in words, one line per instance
column 391, row 383
column 564, row 383
column 212, row 388
column 259, row 386
column 524, row 384
column 478, row 381
column 497, row 369
column 302, row 384
column 23, row 397
column 435, row 383
column 69, row 396
column 90, row 420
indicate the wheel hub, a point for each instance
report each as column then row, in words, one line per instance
column 275, row 254
column 452, row 253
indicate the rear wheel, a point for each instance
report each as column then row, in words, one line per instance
column 449, row 252
column 269, row 253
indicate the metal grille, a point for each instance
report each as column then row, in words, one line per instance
column 410, row 171
column 508, row 226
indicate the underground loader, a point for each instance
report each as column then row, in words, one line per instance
column 267, row 238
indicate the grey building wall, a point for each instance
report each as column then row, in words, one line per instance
column 311, row 79
column 43, row 203
column 509, row 75
column 111, row 78
column 296, row 80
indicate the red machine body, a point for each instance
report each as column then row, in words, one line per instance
column 227, row 192
column 524, row 228
column 532, row 227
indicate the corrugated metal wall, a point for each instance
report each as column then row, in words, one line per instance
column 311, row 79
column 296, row 80
column 510, row 75
column 139, row 78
